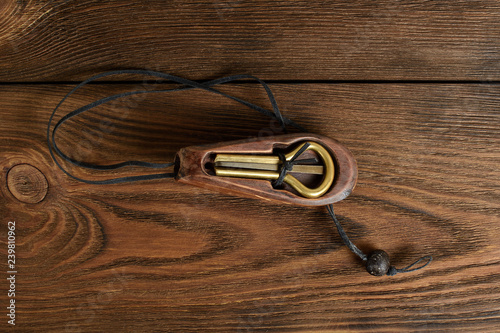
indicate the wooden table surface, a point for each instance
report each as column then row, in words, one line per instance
column 410, row 87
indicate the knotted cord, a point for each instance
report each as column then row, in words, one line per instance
column 377, row 263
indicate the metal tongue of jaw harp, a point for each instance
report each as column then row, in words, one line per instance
column 248, row 167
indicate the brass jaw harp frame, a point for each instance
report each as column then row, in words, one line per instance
column 269, row 166
column 247, row 167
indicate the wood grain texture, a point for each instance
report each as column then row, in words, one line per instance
column 163, row 256
column 60, row 40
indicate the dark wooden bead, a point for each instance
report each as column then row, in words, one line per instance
column 378, row 263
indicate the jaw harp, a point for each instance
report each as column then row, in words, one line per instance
column 320, row 170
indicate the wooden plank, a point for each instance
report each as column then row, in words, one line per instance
column 160, row 255
column 285, row 40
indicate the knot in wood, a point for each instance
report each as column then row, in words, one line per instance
column 27, row 184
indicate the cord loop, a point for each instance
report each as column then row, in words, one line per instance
column 377, row 263
column 287, row 166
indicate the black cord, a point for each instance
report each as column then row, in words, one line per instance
column 377, row 263
column 343, row 235
column 287, row 166
column 186, row 84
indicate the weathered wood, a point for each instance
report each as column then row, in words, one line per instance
column 289, row 40
column 165, row 256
